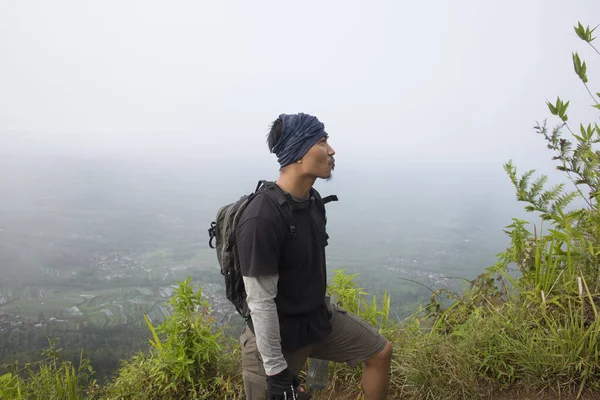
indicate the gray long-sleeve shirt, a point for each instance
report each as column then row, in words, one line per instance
column 261, row 292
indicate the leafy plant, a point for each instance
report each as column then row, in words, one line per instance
column 49, row 378
column 345, row 292
column 530, row 320
column 188, row 357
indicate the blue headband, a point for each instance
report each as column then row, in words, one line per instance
column 299, row 133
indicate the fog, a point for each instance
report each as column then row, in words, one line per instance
column 57, row 206
column 125, row 125
column 440, row 82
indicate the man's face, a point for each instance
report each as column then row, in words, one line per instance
column 319, row 161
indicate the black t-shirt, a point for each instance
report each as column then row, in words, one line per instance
column 264, row 248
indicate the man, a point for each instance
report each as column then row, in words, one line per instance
column 285, row 280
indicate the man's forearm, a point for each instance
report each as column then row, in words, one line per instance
column 261, row 292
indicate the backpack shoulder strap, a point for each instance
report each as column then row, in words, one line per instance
column 321, row 201
column 260, row 184
column 331, row 197
column 274, row 192
column 315, row 193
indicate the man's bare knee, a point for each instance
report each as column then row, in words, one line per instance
column 383, row 357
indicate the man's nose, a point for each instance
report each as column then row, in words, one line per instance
column 331, row 151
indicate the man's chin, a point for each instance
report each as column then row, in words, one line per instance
column 327, row 176
column 330, row 175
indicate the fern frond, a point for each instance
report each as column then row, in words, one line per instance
column 524, row 181
column 537, row 186
column 511, row 171
column 551, row 194
column 563, row 200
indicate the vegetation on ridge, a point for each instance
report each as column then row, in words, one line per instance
column 529, row 321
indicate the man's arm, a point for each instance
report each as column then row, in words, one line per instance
column 258, row 241
column 261, row 292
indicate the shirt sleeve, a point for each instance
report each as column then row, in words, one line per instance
column 258, row 242
column 261, row 293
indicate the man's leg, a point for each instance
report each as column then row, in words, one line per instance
column 352, row 341
column 376, row 374
column 253, row 370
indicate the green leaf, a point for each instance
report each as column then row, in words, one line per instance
column 156, row 342
column 583, row 131
column 559, row 235
column 580, row 31
column 561, row 107
column 584, row 33
column 590, row 131
column 584, row 73
column 576, row 63
column 552, row 108
column 590, row 39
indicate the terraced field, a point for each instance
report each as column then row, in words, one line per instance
column 101, row 308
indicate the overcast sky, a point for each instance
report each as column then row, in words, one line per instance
column 428, row 81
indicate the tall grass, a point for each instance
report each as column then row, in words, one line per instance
column 530, row 320
column 49, row 379
column 189, row 359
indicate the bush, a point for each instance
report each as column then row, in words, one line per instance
column 537, row 330
column 49, row 379
column 189, row 359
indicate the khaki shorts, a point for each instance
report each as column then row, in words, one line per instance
column 351, row 341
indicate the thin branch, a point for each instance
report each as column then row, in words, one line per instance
column 568, row 127
column 593, row 47
column 590, row 43
column 491, row 305
column 573, row 180
column 579, row 190
column 589, row 91
column 454, row 277
column 419, row 283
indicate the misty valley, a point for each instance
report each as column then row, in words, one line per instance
column 88, row 247
column 462, row 257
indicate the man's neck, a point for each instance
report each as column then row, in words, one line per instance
column 296, row 185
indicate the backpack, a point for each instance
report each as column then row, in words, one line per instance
column 222, row 231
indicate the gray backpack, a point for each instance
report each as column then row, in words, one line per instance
column 222, row 231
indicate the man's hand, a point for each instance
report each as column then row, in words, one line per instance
column 283, row 386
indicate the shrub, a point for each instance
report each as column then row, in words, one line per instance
column 189, row 359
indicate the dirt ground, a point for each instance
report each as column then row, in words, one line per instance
column 514, row 395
